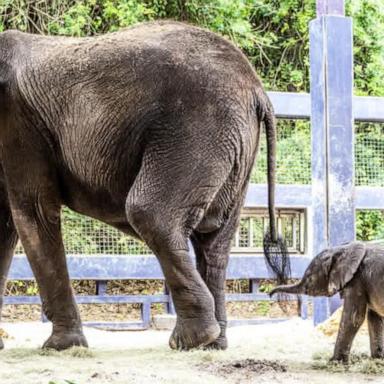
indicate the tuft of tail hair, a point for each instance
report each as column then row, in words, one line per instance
column 275, row 248
column 277, row 258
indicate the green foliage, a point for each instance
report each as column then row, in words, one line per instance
column 370, row 225
column 266, row 287
column 263, row 308
column 368, row 22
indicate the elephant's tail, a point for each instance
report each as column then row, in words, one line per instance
column 270, row 132
column 275, row 250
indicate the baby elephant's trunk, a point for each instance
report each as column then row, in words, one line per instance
column 294, row 289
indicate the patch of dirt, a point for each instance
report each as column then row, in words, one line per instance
column 244, row 369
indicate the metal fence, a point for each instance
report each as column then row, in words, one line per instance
column 369, row 154
column 293, row 163
column 85, row 236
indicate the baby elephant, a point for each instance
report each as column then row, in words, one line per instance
column 356, row 271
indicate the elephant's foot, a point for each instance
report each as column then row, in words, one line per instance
column 64, row 339
column 221, row 343
column 340, row 358
column 378, row 355
column 193, row 333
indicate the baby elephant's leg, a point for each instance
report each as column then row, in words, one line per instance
column 376, row 334
column 355, row 307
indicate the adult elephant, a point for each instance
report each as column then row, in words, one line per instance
column 153, row 130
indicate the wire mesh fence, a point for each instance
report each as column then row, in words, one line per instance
column 293, row 162
column 85, row 236
column 369, row 154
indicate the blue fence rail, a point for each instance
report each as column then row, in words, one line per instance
column 330, row 202
column 120, row 267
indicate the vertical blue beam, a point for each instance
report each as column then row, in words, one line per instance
column 253, row 286
column 304, row 307
column 329, row 7
column 170, row 307
column 146, row 313
column 331, row 61
column 101, row 287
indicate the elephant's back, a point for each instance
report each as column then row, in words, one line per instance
column 161, row 47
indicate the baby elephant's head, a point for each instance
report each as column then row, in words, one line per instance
column 328, row 272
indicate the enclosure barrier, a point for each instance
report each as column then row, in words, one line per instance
column 329, row 202
column 120, row 267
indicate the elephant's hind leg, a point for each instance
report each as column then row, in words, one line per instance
column 376, row 334
column 212, row 254
column 164, row 208
column 8, row 240
column 196, row 324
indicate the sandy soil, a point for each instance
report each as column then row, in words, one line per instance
column 287, row 352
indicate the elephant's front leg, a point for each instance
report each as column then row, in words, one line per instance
column 36, row 209
column 376, row 334
column 8, row 240
column 355, row 307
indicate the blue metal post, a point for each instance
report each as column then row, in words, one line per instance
column 101, row 287
column 331, row 59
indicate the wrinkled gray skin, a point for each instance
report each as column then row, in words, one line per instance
column 357, row 272
column 153, row 130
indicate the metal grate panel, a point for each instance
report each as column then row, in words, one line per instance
column 293, row 163
column 369, row 154
column 83, row 235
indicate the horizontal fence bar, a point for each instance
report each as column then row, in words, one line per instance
column 291, row 105
column 143, row 267
column 93, row 299
column 286, row 196
column 368, row 108
column 369, row 197
column 117, row 325
column 138, row 325
column 299, row 196
column 256, row 297
column 141, row 299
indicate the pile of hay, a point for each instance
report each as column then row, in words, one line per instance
column 330, row 327
column 3, row 334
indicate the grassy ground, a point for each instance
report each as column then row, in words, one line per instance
column 290, row 352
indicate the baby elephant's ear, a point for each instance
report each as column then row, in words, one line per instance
column 345, row 261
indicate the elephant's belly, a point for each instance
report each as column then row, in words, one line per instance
column 99, row 204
